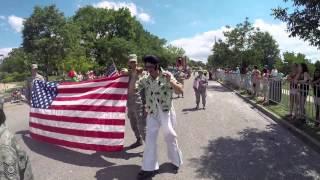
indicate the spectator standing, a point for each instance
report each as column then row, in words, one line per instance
column 303, row 80
column 265, row 84
column 293, row 102
column 256, row 81
column 316, row 93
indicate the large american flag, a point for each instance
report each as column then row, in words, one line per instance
column 86, row 115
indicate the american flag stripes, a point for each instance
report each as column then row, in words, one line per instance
column 86, row 115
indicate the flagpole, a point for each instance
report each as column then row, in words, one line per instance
column 114, row 64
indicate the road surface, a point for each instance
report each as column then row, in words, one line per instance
column 228, row 140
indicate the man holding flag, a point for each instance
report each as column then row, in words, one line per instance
column 136, row 109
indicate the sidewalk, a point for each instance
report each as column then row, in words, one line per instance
column 306, row 137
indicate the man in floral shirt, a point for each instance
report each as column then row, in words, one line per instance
column 159, row 87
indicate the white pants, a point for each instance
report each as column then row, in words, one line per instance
column 167, row 121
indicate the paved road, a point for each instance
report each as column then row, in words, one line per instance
column 229, row 140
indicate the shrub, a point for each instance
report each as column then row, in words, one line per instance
column 13, row 77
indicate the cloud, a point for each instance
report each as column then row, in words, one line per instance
column 5, row 51
column 2, row 18
column 199, row 46
column 144, row 17
column 16, row 23
column 139, row 13
column 279, row 33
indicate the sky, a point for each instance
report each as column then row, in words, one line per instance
column 190, row 24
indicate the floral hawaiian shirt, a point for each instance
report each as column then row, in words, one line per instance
column 158, row 92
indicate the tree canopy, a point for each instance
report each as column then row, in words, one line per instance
column 244, row 45
column 92, row 38
column 302, row 19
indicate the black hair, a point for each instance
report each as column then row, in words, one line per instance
column 2, row 117
column 152, row 59
column 265, row 70
column 255, row 67
column 304, row 68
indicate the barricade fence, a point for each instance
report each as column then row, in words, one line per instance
column 301, row 100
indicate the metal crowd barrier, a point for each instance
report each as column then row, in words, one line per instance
column 300, row 100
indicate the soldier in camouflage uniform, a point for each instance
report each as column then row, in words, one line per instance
column 29, row 84
column 14, row 162
column 136, row 110
column 180, row 78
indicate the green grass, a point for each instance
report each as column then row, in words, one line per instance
column 308, row 128
column 282, row 109
column 278, row 109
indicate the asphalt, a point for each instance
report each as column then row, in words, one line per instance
column 228, row 140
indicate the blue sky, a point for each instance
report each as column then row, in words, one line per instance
column 186, row 23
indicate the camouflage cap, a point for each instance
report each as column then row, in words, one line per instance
column 34, row 66
column 133, row 57
column 124, row 70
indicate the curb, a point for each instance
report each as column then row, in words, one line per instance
column 306, row 138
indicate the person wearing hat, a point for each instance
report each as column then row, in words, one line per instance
column 14, row 162
column 124, row 71
column 180, row 76
column 159, row 86
column 200, row 84
column 136, row 110
column 29, row 84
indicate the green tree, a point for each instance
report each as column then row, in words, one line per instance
column 265, row 48
column 222, row 55
column 289, row 58
column 43, row 37
column 302, row 19
column 244, row 46
column 17, row 61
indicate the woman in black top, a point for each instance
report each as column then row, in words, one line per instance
column 316, row 92
column 303, row 80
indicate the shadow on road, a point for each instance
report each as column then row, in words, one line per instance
column 74, row 157
column 166, row 168
column 129, row 172
column 190, row 109
column 218, row 88
column 123, row 172
column 257, row 155
column 120, row 155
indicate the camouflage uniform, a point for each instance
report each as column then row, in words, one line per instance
column 29, row 85
column 180, row 77
column 136, row 114
column 14, row 162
